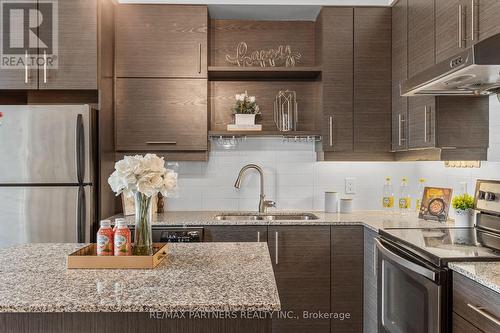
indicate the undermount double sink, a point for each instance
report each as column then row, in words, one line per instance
column 266, row 217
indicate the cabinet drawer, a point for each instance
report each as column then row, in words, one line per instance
column 460, row 325
column 477, row 304
column 235, row 233
column 161, row 114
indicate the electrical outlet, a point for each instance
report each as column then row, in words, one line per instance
column 350, row 185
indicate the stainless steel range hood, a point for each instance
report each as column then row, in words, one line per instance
column 473, row 72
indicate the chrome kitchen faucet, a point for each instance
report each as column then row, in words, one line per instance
column 263, row 203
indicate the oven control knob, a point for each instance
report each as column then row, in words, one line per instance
column 489, row 196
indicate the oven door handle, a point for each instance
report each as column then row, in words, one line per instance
column 418, row 269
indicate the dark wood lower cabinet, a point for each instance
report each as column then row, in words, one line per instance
column 347, row 278
column 235, row 233
column 370, row 320
column 460, row 325
column 301, row 262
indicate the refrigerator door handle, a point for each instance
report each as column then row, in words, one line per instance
column 81, row 211
column 80, row 149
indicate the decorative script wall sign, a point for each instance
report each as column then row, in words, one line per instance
column 282, row 56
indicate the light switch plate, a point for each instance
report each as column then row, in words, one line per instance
column 350, row 185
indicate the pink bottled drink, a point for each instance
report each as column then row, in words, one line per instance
column 105, row 239
column 123, row 239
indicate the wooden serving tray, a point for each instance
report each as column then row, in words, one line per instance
column 87, row 257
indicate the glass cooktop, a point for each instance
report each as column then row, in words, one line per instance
column 442, row 245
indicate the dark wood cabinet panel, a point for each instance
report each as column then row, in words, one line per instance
column 77, row 48
column 347, row 277
column 399, row 74
column 161, row 41
column 372, row 79
column 467, row 293
column 370, row 321
column 301, row 262
column 451, row 27
column 460, row 325
column 487, row 20
column 336, row 54
column 421, row 41
column 421, row 122
column 161, row 114
column 234, row 233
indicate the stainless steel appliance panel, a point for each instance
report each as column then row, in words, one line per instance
column 45, row 214
column 45, row 144
column 409, row 294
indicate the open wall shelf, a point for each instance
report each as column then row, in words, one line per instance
column 263, row 73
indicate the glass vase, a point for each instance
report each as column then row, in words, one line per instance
column 143, row 234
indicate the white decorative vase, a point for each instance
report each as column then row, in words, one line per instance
column 244, row 119
column 464, row 218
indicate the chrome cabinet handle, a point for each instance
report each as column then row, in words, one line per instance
column 425, row 123
column 44, row 66
column 375, row 259
column 276, row 247
column 199, row 58
column 482, row 312
column 258, row 236
column 161, row 142
column 26, row 71
column 331, row 131
column 472, row 19
column 399, row 130
column 460, row 26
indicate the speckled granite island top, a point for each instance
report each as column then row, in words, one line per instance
column 485, row 273
column 374, row 220
column 194, row 276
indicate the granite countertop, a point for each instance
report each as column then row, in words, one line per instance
column 485, row 273
column 193, row 277
column 374, row 220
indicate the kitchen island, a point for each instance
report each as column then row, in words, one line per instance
column 209, row 287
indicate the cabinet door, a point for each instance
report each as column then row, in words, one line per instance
column 77, row 48
column 370, row 319
column 337, row 53
column 451, row 22
column 399, row 74
column 422, row 122
column 161, row 114
column 161, row 41
column 234, row 233
column 372, row 79
column 301, row 262
column 460, row 325
column 487, row 22
column 347, row 277
column 421, row 50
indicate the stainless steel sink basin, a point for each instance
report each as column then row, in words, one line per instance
column 266, row 217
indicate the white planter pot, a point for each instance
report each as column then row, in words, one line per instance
column 244, row 119
column 464, row 218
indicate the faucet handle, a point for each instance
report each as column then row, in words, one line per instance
column 269, row 203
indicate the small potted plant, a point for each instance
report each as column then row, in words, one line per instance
column 245, row 109
column 464, row 213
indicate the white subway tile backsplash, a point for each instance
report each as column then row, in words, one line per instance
column 296, row 181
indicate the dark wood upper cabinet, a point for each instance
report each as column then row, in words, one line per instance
column 347, row 277
column 335, row 33
column 451, row 27
column 372, row 79
column 421, row 42
column 301, row 263
column 161, row 115
column 235, row 233
column 161, row 41
column 77, row 50
column 486, row 22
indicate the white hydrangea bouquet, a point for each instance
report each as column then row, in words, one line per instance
column 245, row 109
column 142, row 177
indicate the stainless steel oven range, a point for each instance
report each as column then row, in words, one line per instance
column 414, row 282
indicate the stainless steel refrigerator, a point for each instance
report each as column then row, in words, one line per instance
column 46, row 173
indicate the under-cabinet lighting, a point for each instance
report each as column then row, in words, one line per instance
column 462, row 164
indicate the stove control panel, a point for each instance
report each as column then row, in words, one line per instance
column 487, row 197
